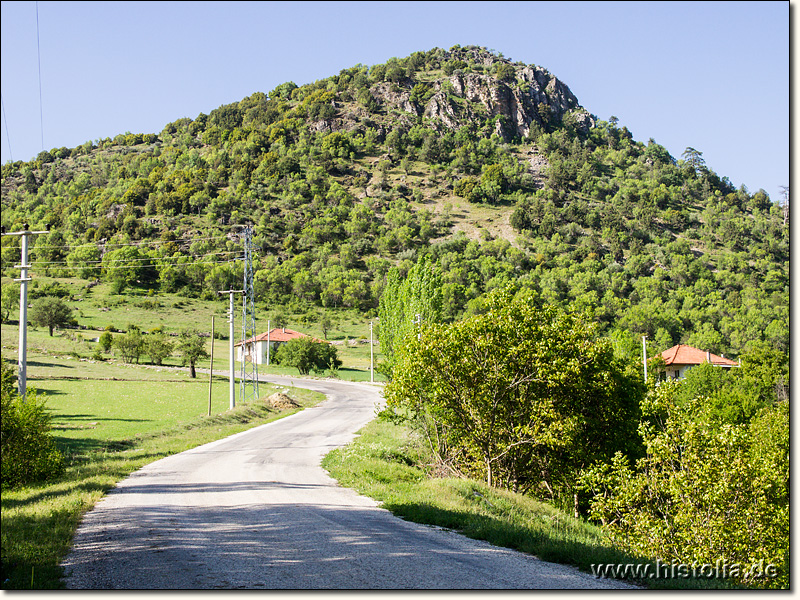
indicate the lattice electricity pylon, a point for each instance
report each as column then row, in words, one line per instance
column 249, row 379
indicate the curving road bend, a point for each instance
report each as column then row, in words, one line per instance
column 256, row 511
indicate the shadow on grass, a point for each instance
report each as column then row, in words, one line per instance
column 77, row 448
column 92, row 418
column 36, row 363
column 46, row 392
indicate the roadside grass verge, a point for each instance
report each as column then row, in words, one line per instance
column 384, row 464
column 39, row 521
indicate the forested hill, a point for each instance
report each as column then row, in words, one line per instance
column 489, row 166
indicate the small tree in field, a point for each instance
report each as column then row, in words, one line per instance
column 192, row 348
column 158, row 347
column 50, row 312
column 130, row 345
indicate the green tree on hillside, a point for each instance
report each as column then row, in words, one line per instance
column 50, row 312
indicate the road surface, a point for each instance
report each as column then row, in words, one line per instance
column 256, row 511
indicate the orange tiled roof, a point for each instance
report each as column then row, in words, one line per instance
column 687, row 355
column 278, row 334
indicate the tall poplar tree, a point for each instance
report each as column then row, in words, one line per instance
column 407, row 303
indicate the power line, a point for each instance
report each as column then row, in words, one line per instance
column 141, row 243
column 8, row 137
column 39, row 60
column 160, row 260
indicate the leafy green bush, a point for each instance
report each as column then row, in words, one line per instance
column 306, row 354
column 28, row 451
column 520, row 395
column 705, row 492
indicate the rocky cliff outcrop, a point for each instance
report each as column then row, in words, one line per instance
column 524, row 96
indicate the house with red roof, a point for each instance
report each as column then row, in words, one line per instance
column 681, row 358
column 254, row 349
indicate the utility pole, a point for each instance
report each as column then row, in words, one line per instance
column 268, row 342
column 371, row 356
column 249, row 372
column 231, row 363
column 211, row 366
column 23, row 307
column 644, row 356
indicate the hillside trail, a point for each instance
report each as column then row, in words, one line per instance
column 257, row 511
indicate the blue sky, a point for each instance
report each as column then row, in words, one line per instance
column 710, row 75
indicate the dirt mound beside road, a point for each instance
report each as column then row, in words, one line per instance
column 280, row 401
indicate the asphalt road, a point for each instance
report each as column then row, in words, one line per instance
column 256, row 511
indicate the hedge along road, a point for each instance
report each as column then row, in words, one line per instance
column 257, row 511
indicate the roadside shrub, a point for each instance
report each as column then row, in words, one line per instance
column 706, row 490
column 28, row 451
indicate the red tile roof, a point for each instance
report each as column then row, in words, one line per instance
column 687, row 355
column 278, row 334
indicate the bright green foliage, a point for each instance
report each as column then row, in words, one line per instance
column 85, row 259
column 405, row 304
column 50, row 312
column 521, row 395
column 9, row 300
column 702, row 493
column 106, row 341
column 306, row 354
column 130, row 345
column 127, row 266
column 29, row 453
column 191, row 348
column 158, row 347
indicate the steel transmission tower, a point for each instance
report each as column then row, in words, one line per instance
column 249, row 379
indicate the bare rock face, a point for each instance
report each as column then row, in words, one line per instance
column 524, row 96
column 531, row 97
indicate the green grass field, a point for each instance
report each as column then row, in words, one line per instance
column 96, row 309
